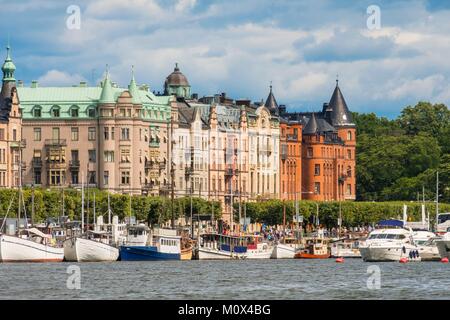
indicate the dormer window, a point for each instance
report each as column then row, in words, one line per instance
column 91, row 112
column 37, row 112
column 55, row 112
column 74, row 112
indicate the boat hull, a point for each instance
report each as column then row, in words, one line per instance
column 213, row 254
column 443, row 248
column 186, row 254
column 86, row 250
column 386, row 254
column 283, row 251
column 15, row 249
column 429, row 253
column 345, row 253
column 146, row 253
column 302, row 255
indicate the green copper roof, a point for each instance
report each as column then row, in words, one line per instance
column 107, row 95
column 8, row 67
column 132, row 88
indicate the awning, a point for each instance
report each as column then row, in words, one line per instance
column 38, row 233
column 390, row 223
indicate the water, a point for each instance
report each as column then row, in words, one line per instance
column 264, row 279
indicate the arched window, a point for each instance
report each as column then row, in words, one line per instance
column 349, row 135
column 349, row 171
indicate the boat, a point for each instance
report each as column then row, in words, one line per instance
column 162, row 244
column 315, row 248
column 29, row 245
column 285, row 249
column 257, row 248
column 215, row 246
column 345, row 248
column 390, row 241
column 443, row 245
column 24, row 244
column 96, row 245
column 426, row 243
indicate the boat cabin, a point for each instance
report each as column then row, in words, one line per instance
column 137, row 235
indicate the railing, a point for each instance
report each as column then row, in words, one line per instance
column 19, row 144
column 75, row 164
column 55, row 142
column 37, row 163
column 291, row 137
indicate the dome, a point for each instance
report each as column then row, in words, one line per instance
column 176, row 78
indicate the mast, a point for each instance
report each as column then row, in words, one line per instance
column 82, row 203
column 32, row 205
column 172, row 171
column 129, row 221
column 94, row 210
column 437, row 198
column 109, row 209
column 192, row 218
column 284, row 221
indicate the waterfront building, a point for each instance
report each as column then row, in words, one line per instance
column 328, row 151
column 11, row 141
column 112, row 138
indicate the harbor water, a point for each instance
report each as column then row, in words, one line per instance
column 245, row 279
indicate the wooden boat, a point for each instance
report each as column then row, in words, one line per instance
column 316, row 248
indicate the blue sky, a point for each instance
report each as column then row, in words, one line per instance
column 239, row 46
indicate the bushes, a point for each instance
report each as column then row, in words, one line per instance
column 48, row 203
column 353, row 213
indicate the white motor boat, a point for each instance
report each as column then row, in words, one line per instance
column 93, row 246
column 214, row 246
column 345, row 248
column 426, row 242
column 443, row 245
column 285, row 249
column 30, row 245
column 390, row 243
column 257, row 248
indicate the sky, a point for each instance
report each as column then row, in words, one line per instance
column 240, row 47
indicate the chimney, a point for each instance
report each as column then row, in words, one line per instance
column 83, row 84
column 20, row 83
column 282, row 108
column 195, row 96
column 34, row 84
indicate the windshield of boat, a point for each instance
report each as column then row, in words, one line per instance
column 386, row 236
column 443, row 218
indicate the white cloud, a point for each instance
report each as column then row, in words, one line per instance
column 183, row 5
column 59, row 78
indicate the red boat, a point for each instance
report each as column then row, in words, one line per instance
column 316, row 248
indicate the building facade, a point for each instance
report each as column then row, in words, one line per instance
column 11, row 142
column 130, row 140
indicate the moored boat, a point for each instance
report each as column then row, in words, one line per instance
column 345, row 248
column 93, row 246
column 285, row 249
column 315, row 248
column 214, row 246
column 443, row 245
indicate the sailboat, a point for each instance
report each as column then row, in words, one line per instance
column 90, row 246
column 27, row 244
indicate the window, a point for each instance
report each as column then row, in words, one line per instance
column 75, row 177
column 55, row 134
column 349, row 172
column 349, row 154
column 92, row 156
column 74, row 112
column 106, row 178
column 74, row 154
column 37, row 177
column 106, row 133
column 56, row 177
column 55, row 112
column 125, row 156
column 91, row 133
column 74, row 134
column 14, row 135
column 317, row 170
column 125, row 134
column 316, row 187
column 349, row 189
column 125, row 177
column 37, row 112
column 310, row 152
column 349, row 135
column 112, row 133
column 92, row 177
column 91, row 112
column 37, row 134
column 109, row 156
column 2, row 134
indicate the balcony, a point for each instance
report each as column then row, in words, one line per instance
column 188, row 170
column 55, row 142
column 284, row 155
column 292, row 137
column 74, row 164
column 19, row 144
column 230, row 172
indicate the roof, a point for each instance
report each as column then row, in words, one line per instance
column 271, row 103
column 340, row 114
column 314, row 125
column 177, row 78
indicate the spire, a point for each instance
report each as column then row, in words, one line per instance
column 8, row 67
column 340, row 114
column 133, row 89
column 312, row 125
column 107, row 95
column 271, row 102
column 176, row 67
